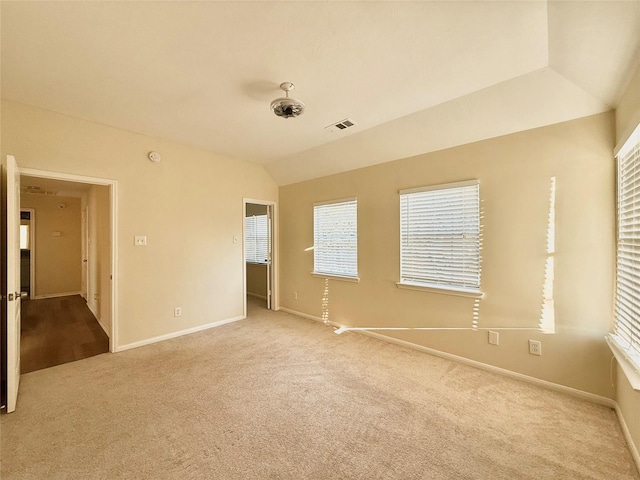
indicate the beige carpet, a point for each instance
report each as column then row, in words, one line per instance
column 279, row 397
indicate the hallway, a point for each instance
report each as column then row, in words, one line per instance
column 58, row 330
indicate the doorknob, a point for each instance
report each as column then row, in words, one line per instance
column 15, row 296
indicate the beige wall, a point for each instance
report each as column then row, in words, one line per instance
column 57, row 258
column 190, row 207
column 628, row 109
column 627, row 118
column 514, row 173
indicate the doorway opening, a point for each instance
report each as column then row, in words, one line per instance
column 27, row 250
column 259, row 248
column 71, row 309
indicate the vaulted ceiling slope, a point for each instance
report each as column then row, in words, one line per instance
column 415, row 76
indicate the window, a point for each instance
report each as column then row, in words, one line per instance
column 335, row 238
column 256, row 235
column 440, row 238
column 626, row 335
column 24, row 237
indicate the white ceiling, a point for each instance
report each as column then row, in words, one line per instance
column 415, row 76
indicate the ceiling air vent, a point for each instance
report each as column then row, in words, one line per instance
column 341, row 125
column 37, row 190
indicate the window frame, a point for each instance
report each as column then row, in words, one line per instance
column 338, row 275
column 626, row 346
column 442, row 288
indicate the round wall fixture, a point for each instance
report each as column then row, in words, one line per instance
column 287, row 107
column 154, row 157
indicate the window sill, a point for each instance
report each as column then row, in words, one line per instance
column 628, row 366
column 336, row 277
column 256, row 263
column 459, row 292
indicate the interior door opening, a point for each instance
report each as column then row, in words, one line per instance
column 27, row 251
column 259, row 252
column 100, row 198
column 64, row 320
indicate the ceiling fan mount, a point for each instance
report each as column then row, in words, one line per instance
column 287, row 107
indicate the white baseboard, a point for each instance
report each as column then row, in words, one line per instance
column 590, row 397
column 256, row 295
column 600, row 400
column 180, row 333
column 633, row 449
column 55, row 295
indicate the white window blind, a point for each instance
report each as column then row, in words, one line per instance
column 627, row 306
column 335, row 238
column 440, row 236
column 256, row 237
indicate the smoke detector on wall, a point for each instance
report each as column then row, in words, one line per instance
column 287, row 107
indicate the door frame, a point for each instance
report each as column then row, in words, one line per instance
column 32, row 249
column 273, row 280
column 84, row 247
column 113, row 223
column 11, row 281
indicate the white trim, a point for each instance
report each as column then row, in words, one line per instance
column 331, row 202
column 590, row 397
column 97, row 316
column 274, row 284
column 33, row 172
column 255, row 295
column 627, row 365
column 310, row 317
column 161, row 338
column 442, row 186
column 56, row 295
column 333, row 276
column 113, row 337
column 113, row 195
column 459, row 292
column 574, row 392
column 633, row 449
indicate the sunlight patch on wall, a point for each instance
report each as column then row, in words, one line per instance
column 325, row 302
column 475, row 322
column 547, row 314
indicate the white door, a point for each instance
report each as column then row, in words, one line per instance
column 13, row 282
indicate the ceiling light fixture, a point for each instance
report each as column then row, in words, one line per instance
column 287, row 107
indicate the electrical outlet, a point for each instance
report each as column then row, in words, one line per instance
column 494, row 338
column 295, row 295
column 140, row 240
column 177, row 312
column 535, row 347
